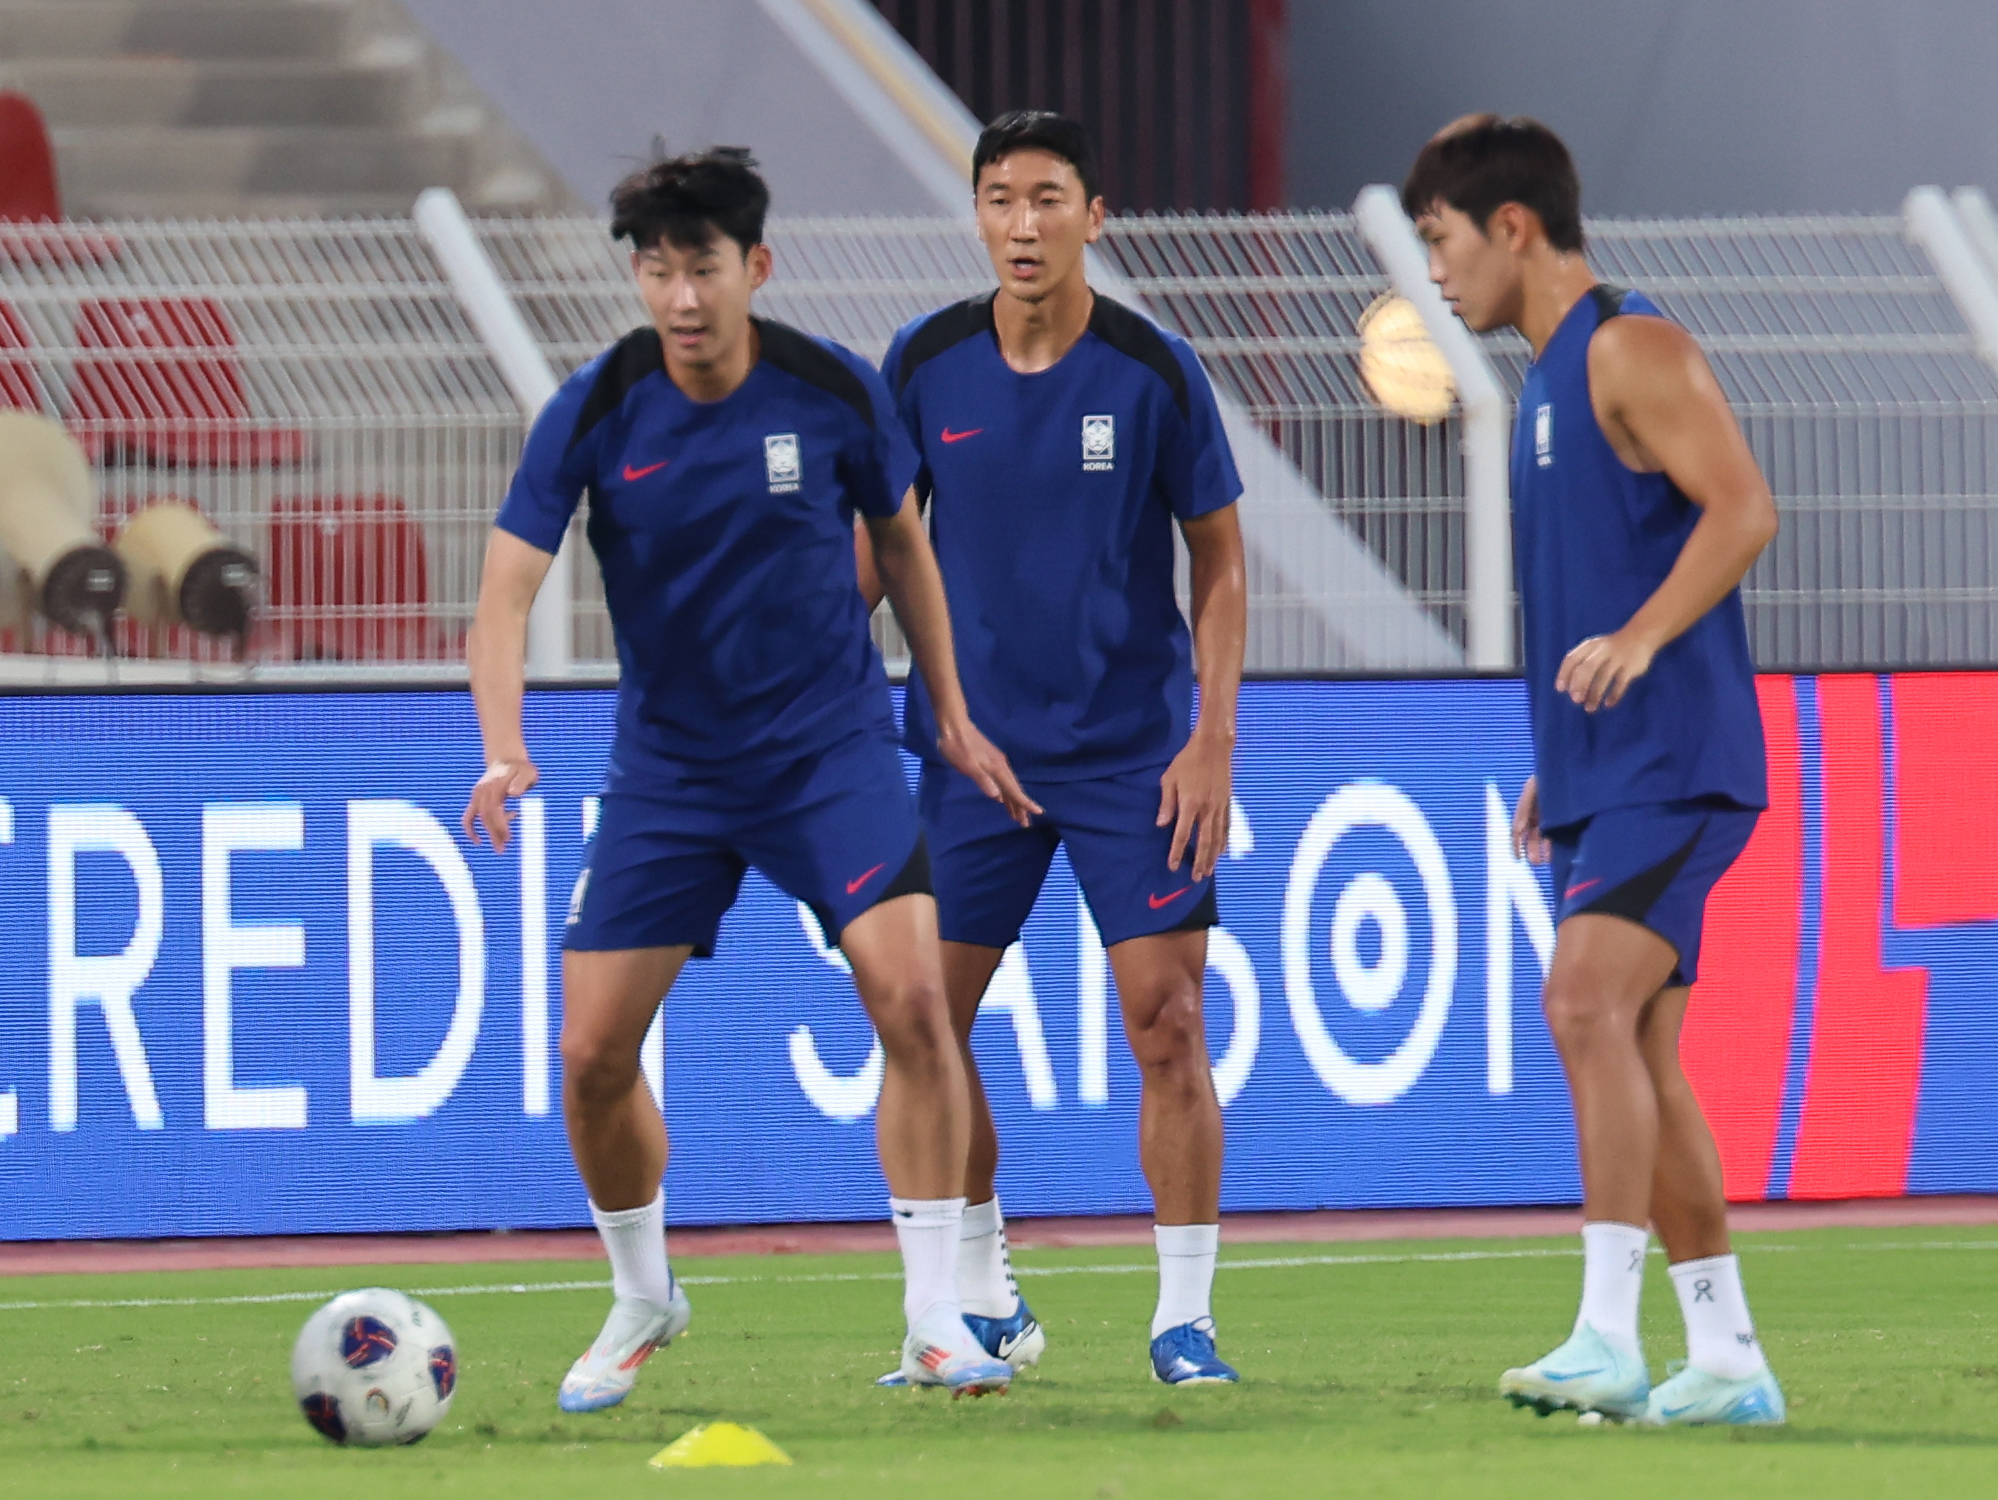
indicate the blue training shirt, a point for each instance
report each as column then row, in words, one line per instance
column 1052, row 499
column 1592, row 540
column 725, row 533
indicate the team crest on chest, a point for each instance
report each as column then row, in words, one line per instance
column 1099, row 443
column 782, row 463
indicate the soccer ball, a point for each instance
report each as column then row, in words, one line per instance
column 374, row 1368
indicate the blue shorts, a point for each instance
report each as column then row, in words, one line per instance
column 836, row 830
column 988, row 869
column 1652, row 865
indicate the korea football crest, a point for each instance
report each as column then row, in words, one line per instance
column 1099, row 444
column 782, row 463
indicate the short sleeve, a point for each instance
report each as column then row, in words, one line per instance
column 907, row 405
column 1197, row 467
column 553, row 471
column 881, row 462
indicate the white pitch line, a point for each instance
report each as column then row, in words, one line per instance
column 1271, row 1263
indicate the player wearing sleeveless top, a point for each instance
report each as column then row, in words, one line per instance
column 727, row 460
column 1637, row 510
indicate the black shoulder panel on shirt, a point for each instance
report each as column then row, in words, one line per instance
column 1609, row 300
column 945, row 330
column 632, row 358
column 798, row 354
column 1136, row 338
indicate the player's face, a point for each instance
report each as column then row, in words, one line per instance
column 699, row 296
column 1478, row 272
column 1035, row 218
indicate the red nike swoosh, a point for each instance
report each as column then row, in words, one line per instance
column 1158, row 901
column 957, row 437
column 630, row 473
column 1576, row 890
column 858, row 881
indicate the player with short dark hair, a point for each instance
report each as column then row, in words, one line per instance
column 1063, row 437
column 1637, row 510
column 726, row 459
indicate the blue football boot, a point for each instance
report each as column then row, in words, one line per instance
column 1587, row 1373
column 1693, row 1398
column 1186, row 1356
column 1017, row 1338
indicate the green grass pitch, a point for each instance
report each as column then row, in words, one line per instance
column 1368, row 1370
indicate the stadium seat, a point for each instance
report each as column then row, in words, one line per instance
column 20, row 389
column 349, row 581
column 27, row 163
column 134, row 406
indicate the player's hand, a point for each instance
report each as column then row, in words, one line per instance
column 504, row 779
column 1196, row 792
column 985, row 763
column 1528, row 842
column 1598, row 672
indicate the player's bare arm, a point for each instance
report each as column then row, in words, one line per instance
column 496, row 654
column 1198, row 787
column 908, row 572
column 1663, row 411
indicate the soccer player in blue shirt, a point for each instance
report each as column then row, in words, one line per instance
column 726, row 458
column 1637, row 510
column 1062, row 438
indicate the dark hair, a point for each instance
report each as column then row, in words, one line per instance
column 1481, row 161
column 1037, row 130
column 688, row 200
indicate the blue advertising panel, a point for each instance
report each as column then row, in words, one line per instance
column 253, row 979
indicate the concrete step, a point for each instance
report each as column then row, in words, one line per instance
column 94, row 164
column 191, row 29
column 130, row 91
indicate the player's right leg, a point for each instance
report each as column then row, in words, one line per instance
column 650, row 897
column 1726, row 1378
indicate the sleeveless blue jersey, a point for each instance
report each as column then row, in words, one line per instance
column 1592, row 540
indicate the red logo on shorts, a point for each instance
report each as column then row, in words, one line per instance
column 853, row 885
column 1576, row 890
column 1158, row 901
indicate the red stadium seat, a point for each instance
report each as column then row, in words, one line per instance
column 349, row 581
column 20, row 389
column 134, row 406
column 27, row 164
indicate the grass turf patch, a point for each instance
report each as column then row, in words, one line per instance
column 1367, row 1370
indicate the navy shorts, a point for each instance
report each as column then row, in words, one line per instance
column 836, row 830
column 1653, row 865
column 988, row 869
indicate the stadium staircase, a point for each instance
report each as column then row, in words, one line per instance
column 259, row 109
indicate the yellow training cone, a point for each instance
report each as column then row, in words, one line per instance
column 717, row 1443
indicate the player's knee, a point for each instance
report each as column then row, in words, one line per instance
column 593, row 1070
column 1173, row 1039
column 911, row 1019
column 1578, row 1016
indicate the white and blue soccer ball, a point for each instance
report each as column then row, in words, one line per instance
column 374, row 1368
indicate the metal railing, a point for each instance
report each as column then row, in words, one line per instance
column 318, row 389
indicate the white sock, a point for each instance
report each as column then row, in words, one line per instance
column 636, row 1241
column 1720, row 1336
column 926, row 1229
column 985, row 1282
column 1186, row 1273
column 1612, row 1277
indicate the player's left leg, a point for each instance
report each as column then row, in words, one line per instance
column 1159, row 981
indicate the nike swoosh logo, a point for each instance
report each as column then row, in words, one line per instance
column 1572, row 1374
column 958, row 437
column 631, row 474
column 860, row 880
column 1158, row 901
column 1576, row 890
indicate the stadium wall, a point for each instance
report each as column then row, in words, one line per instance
column 256, row 982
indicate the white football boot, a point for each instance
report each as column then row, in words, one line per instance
column 1587, row 1373
column 632, row 1333
column 941, row 1350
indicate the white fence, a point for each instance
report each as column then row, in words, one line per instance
column 317, row 390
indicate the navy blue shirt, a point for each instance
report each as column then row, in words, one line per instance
column 1592, row 540
column 1052, row 499
column 725, row 533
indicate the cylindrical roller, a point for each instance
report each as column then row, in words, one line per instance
column 185, row 572
column 47, row 502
